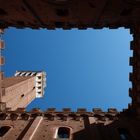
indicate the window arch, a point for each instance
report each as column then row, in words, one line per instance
column 63, row 133
column 4, row 130
column 124, row 134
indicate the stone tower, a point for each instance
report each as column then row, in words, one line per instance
column 21, row 89
column 18, row 91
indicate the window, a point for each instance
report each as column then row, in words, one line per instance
column 22, row 95
column 39, row 77
column 124, row 134
column 63, row 133
column 39, row 87
column 4, row 130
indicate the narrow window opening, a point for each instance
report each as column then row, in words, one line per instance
column 39, row 87
column 22, row 95
column 124, row 134
column 4, row 130
column 39, row 77
column 63, row 133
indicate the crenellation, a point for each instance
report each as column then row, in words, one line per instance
column 97, row 110
column 20, row 110
column 2, row 60
column 2, row 45
column 51, row 110
column 131, row 92
column 36, row 110
column 132, row 61
column 114, row 15
column 112, row 110
column 1, row 31
column 66, row 110
column 135, row 63
column 3, row 116
column 1, row 75
column 21, row 114
column 81, row 110
column 14, row 116
column 77, row 122
column 25, row 116
column 131, row 77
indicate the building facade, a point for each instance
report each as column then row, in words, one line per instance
column 68, row 125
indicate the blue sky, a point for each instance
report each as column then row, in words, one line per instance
column 85, row 68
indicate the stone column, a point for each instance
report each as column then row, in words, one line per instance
column 134, row 77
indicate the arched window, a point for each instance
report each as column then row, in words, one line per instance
column 124, row 134
column 4, row 130
column 63, row 133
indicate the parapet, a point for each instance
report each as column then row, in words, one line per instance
column 52, row 113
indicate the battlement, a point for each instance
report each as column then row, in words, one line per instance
column 52, row 113
column 69, row 14
column 36, row 124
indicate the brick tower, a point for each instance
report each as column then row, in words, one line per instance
column 21, row 89
column 18, row 91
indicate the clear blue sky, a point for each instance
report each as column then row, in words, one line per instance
column 85, row 68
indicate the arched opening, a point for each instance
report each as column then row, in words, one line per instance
column 4, row 130
column 124, row 134
column 63, row 133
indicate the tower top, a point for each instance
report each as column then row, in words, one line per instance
column 40, row 80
